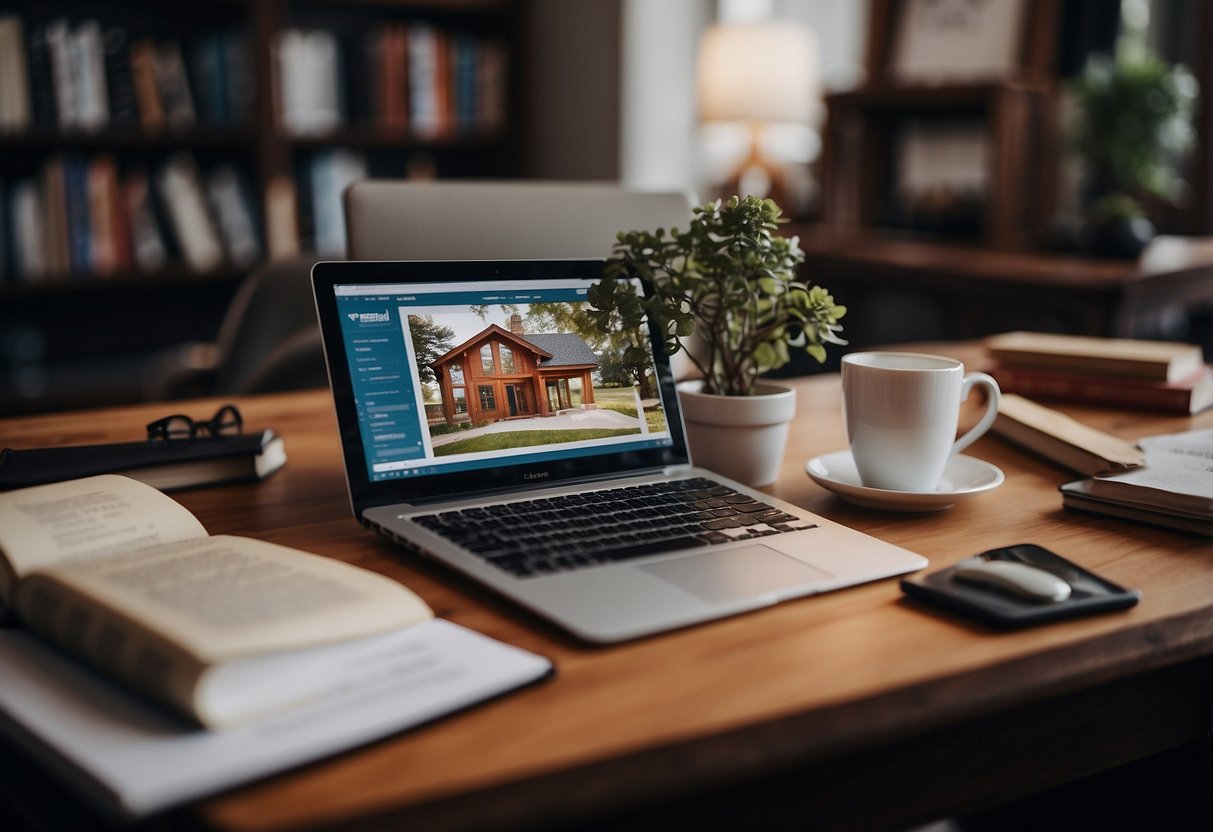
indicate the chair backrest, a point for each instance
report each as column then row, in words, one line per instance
column 269, row 339
column 498, row 220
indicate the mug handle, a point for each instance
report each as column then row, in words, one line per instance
column 993, row 394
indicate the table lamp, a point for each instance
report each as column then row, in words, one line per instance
column 759, row 74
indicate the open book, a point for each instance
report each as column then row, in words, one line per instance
column 118, row 574
column 232, row 633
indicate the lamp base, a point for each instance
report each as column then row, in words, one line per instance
column 758, row 176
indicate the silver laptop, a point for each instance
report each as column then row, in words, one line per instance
column 488, row 424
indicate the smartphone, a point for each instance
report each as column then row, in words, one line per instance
column 999, row 607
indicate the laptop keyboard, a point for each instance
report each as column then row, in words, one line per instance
column 554, row 534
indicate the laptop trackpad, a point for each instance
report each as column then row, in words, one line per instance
column 735, row 574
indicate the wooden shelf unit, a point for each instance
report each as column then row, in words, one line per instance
column 259, row 148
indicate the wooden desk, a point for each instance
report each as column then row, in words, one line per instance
column 942, row 290
column 855, row 709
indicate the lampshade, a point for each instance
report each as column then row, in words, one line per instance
column 758, row 72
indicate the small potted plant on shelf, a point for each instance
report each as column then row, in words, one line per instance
column 1133, row 130
column 725, row 292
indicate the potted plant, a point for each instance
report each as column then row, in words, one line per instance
column 1133, row 129
column 729, row 282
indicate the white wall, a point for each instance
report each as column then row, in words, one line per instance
column 842, row 35
column 658, row 144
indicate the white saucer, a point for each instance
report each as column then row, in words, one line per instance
column 963, row 477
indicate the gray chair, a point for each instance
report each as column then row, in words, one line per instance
column 268, row 341
column 498, row 220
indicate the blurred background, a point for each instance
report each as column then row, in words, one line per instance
column 953, row 168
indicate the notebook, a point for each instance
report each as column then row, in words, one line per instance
column 487, row 423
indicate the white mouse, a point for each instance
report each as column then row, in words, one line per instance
column 1028, row 581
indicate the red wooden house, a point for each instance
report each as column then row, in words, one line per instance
column 502, row 374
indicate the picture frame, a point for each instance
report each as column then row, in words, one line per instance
column 957, row 40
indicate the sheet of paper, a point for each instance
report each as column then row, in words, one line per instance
column 1177, row 462
column 133, row 760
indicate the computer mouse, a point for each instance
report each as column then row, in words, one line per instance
column 1027, row 581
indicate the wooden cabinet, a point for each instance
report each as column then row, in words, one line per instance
column 152, row 154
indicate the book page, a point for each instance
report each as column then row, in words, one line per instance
column 134, row 760
column 219, row 598
column 86, row 518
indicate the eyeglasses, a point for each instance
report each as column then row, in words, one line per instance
column 179, row 429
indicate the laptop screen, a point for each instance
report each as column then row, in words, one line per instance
column 461, row 377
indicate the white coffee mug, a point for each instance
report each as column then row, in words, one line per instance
column 902, row 410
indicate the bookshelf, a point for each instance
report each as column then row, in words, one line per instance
column 945, row 138
column 154, row 154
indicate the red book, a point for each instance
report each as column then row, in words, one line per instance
column 1188, row 395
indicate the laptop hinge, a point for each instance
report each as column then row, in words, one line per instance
column 668, row 470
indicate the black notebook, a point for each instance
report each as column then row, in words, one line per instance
column 161, row 465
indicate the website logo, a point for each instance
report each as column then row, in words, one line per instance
column 369, row 317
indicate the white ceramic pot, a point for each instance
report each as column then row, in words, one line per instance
column 741, row 437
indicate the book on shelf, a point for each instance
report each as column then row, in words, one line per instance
column 180, row 187
column 1122, row 357
column 109, row 230
column 59, row 48
column 167, row 466
column 1062, row 440
column 239, row 76
column 1185, row 396
column 231, row 204
column 1174, row 488
column 76, row 198
column 41, row 77
column 208, row 65
column 142, row 59
column 148, row 250
column 425, row 97
column 27, row 218
column 16, row 114
column 245, row 638
column 172, row 86
column 90, row 93
column 54, row 194
column 120, row 84
column 389, row 71
column 492, row 84
column 307, row 64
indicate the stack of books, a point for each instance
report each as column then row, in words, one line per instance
column 1166, row 376
column 1174, row 488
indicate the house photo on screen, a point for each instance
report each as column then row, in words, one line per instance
column 500, row 377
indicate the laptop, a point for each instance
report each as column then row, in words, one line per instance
column 488, row 424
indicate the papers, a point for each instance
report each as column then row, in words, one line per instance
column 1175, row 488
column 133, row 760
column 1178, row 475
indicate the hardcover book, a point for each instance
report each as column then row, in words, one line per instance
column 1157, row 360
column 161, row 465
column 1186, row 396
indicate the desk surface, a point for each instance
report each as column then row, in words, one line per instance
column 839, row 684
